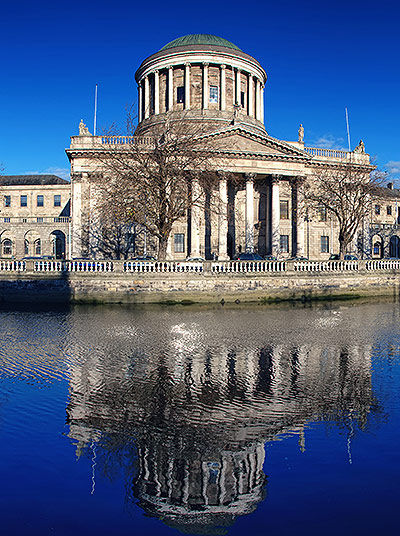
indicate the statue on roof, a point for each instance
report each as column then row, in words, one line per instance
column 360, row 147
column 301, row 133
column 83, row 129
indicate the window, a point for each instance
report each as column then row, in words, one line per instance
column 284, row 243
column 377, row 209
column 39, row 219
column 7, row 247
column 179, row 243
column 242, row 99
column 213, row 93
column 284, row 210
column 37, row 247
column 57, row 200
column 377, row 249
column 322, row 214
column 180, row 94
column 39, row 201
column 389, row 210
column 7, row 200
column 324, row 244
column 26, row 247
column 7, row 220
column 24, row 201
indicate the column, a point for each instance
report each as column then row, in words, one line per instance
column 237, row 87
column 170, row 247
column 195, row 219
column 251, row 96
column 300, row 219
column 250, row 212
column 156, row 92
column 223, row 86
column 187, row 86
column 146, row 97
column 262, row 103
column 257, row 103
column 223, row 221
column 275, row 205
column 170, row 88
column 140, row 101
column 205, row 86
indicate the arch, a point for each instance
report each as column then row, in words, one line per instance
column 377, row 247
column 30, row 239
column 59, row 244
column 394, row 247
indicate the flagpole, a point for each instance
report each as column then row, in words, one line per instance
column 348, row 129
column 95, row 111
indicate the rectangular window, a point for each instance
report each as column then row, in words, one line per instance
column 180, row 94
column 322, row 214
column 284, row 243
column 7, row 200
column 179, row 242
column 24, row 201
column 242, row 96
column 324, row 244
column 377, row 209
column 284, row 210
column 389, row 210
column 213, row 93
column 57, row 200
column 39, row 201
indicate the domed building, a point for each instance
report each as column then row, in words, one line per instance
column 213, row 87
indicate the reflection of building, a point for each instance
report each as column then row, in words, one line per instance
column 199, row 413
column 206, row 80
column 34, row 216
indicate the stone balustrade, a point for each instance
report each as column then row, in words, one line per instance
column 37, row 219
column 207, row 267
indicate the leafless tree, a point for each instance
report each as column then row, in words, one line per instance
column 153, row 180
column 345, row 193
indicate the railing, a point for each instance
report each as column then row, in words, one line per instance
column 325, row 266
column 73, row 266
column 327, row 153
column 163, row 267
column 210, row 267
column 38, row 219
column 247, row 266
column 126, row 140
column 12, row 266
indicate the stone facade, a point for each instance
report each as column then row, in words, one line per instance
column 34, row 216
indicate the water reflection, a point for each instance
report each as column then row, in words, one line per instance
column 185, row 408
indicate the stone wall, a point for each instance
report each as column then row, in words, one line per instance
column 186, row 287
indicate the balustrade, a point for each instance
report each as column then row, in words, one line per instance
column 12, row 266
column 162, row 267
column 327, row 153
column 247, row 266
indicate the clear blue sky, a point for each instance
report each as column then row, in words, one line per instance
column 319, row 57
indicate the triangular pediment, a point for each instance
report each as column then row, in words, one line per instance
column 240, row 140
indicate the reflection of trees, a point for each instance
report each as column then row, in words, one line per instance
column 188, row 428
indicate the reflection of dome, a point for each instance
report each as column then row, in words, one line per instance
column 200, row 39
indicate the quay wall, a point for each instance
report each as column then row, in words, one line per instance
column 119, row 286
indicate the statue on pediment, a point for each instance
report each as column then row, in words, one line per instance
column 360, row 147
column 83, row 129
column 301, row 133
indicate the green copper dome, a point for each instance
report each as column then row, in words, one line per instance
column 200, row 39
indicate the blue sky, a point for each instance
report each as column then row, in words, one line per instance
column 319, row 57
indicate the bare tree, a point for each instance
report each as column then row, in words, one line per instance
column 345, row 193
column 153, row 180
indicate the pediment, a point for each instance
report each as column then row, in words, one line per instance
column 242, row 141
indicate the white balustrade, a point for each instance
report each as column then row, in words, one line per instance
column 383, row 264
column 73, row 266
column 247, row 267
column 163, row 267
column 12, row 266
column 327, row 153
column 325, row 266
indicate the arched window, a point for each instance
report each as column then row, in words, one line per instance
column 37, row 247
column 7, row 247
column 394, row 247
column 26, row 247
column 377, row 249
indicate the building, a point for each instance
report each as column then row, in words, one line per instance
column 34, row 216
column 204, row 80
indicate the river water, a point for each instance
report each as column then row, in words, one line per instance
column 256, row 421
